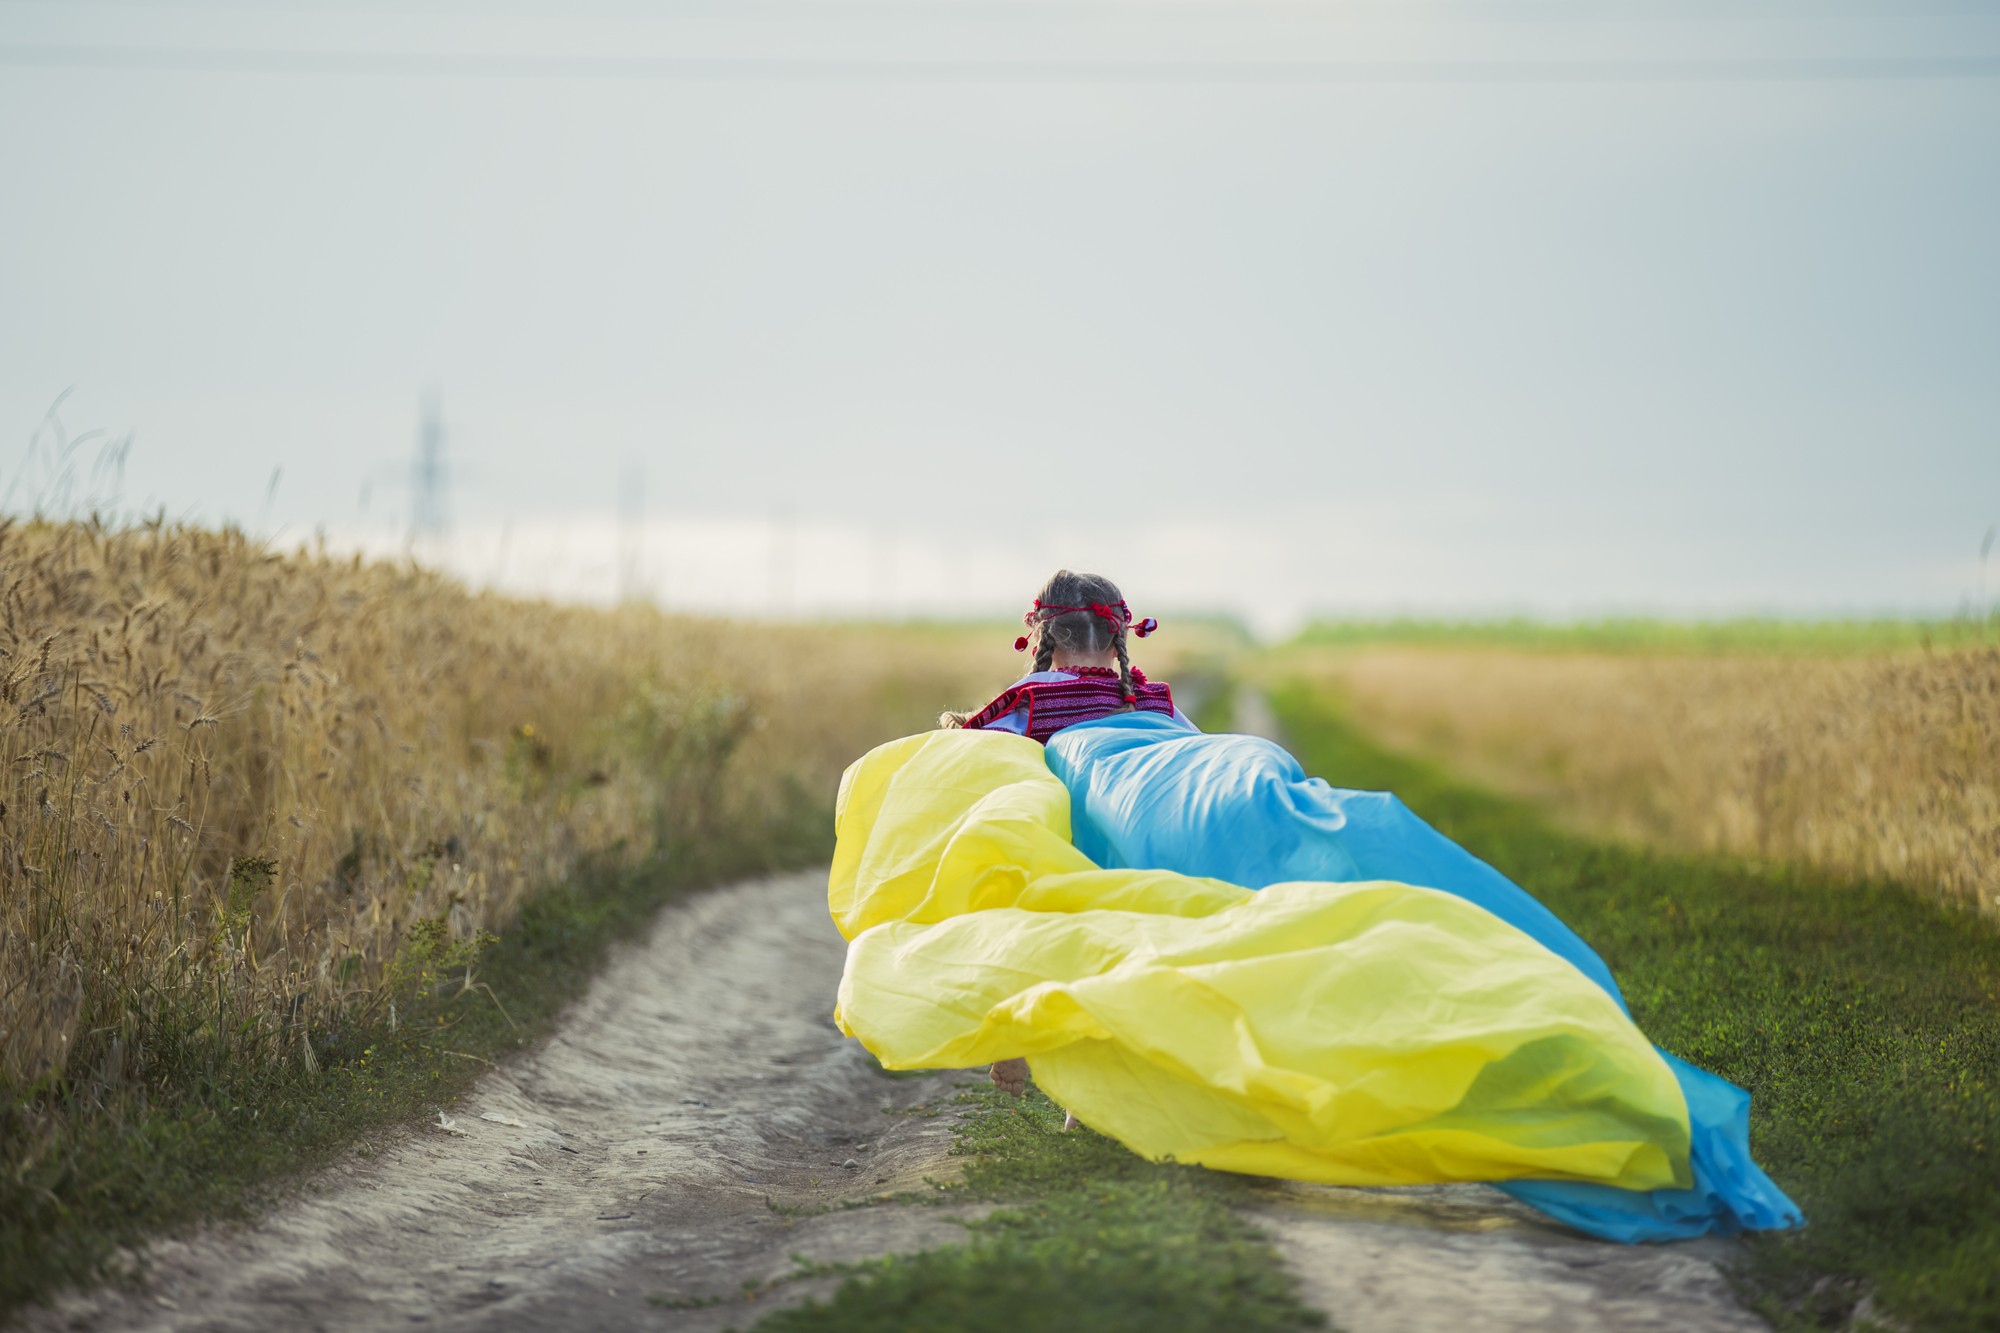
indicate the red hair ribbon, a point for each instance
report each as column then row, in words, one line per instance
column 1118, row 617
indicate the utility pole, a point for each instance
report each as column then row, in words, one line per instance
column 429, row 518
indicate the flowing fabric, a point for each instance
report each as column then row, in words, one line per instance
column 1368, row 1032
column 1240, row 808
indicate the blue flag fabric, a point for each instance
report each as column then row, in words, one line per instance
column 1148, row 794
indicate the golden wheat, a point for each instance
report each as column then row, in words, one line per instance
column 1875, row 766
column 237, row 779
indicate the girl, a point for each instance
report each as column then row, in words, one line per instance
column 1217, row 958
column 1077, row 631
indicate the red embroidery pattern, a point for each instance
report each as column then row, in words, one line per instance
column 1055, row 704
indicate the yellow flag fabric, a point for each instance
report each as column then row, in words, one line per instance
column 1355, row 1034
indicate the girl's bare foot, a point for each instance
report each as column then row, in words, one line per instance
column 1010, row 1076
column 1069, row 1122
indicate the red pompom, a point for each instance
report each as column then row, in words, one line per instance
column 1021, row 644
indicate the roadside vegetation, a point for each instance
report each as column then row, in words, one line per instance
column 1879, row 766
column 291, row 845
column 1864, row 1020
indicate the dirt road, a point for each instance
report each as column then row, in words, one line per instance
column 635, row 1160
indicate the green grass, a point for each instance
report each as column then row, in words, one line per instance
column 1864, row 1021
column 209, row 1138
column 1676, row 638
column 1105, row 1241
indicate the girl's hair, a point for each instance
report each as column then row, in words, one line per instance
column 1081, row 632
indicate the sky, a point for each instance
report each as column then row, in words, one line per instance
column 835, row 307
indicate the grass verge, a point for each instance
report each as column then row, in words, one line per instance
column 1864, row 1022
column 208, row 1137
column 1099, row 1239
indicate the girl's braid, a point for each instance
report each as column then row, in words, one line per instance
column 1045, row 645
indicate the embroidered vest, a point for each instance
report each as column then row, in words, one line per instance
column 1055, row 704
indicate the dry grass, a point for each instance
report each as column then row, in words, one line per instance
column 237, row 782
column 1866, row 765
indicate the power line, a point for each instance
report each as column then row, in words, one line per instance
column 225, row 60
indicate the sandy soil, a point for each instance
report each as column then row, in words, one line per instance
column 1468, row 1259
column 641, row 1154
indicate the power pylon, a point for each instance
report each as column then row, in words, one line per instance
column 429, row 512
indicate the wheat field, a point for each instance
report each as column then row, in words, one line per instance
column 1885, row 765
column 237, row 780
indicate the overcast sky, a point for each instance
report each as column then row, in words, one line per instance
column 1269, row 308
